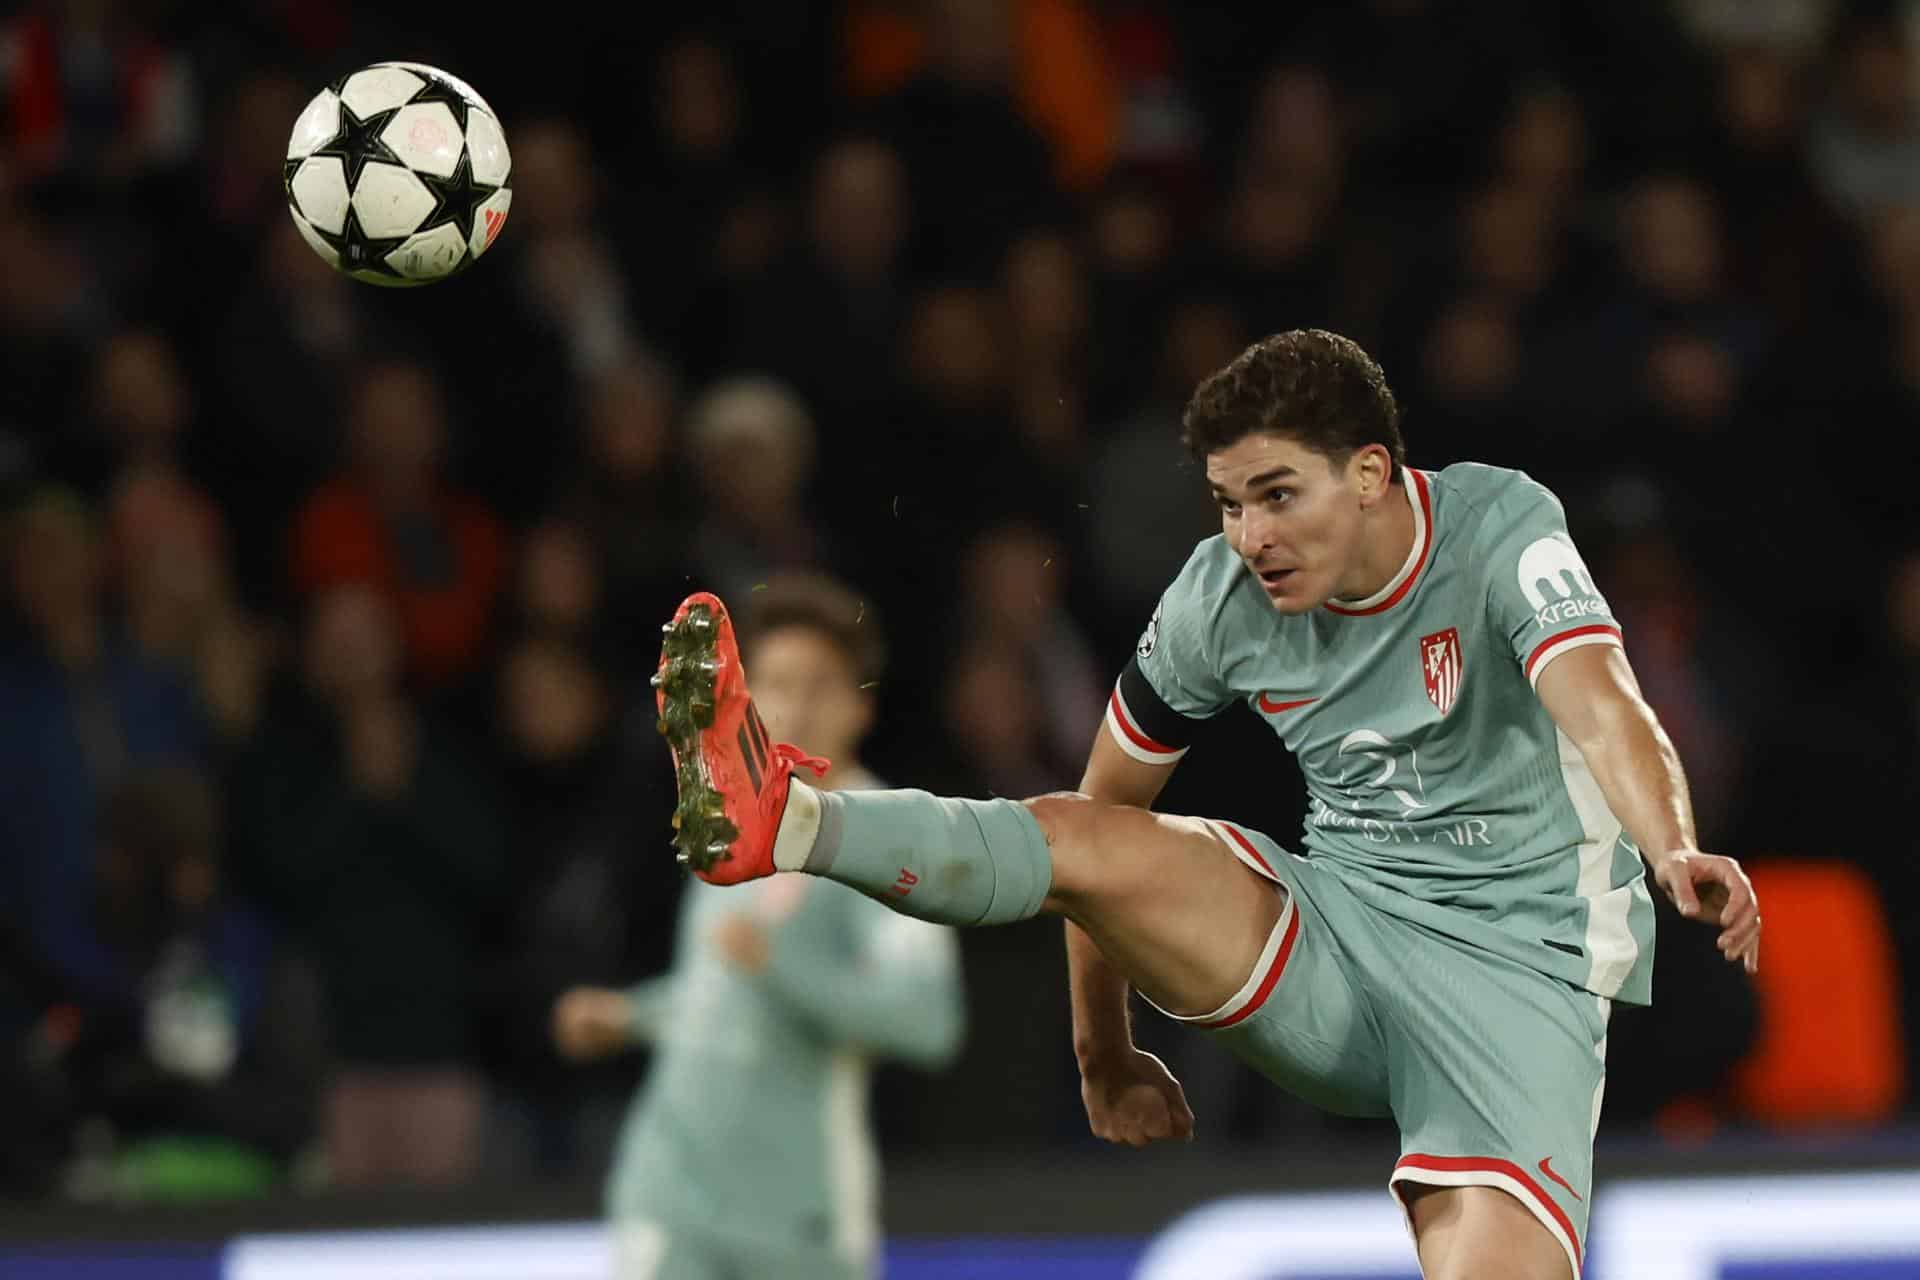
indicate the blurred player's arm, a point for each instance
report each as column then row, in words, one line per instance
column 592, row 1022
column 649, row 1005
column 1593, row 697
column 898, row 993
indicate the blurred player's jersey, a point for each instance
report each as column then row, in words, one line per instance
column 753, row 1122
column 1439, row 787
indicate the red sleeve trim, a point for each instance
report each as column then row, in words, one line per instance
column 1596, row 629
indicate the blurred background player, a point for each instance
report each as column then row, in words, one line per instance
column 775, row 1003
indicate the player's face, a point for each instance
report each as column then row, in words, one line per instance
column 808, row 692
column 1295, row 517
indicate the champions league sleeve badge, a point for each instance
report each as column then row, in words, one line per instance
column 1151, row 636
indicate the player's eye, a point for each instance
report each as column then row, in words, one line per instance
column 1228, row 505
column 1280, row 497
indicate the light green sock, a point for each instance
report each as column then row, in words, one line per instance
column 964, row 862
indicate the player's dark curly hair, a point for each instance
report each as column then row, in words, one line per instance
column 824, row 605
column 1308, row 385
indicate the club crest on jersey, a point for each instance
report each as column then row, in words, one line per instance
column 1440, row 667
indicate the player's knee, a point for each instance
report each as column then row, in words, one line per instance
column 1066, row 818
column 1083, row 838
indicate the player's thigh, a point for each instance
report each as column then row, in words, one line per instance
column 1480, row 1233
column 1496, row 1072
column 1300, row 1018
column 646, row 1250
column 1167, row 901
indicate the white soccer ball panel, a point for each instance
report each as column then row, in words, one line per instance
column 312, row 237
column 316, row 126
column 425, row 136
column 366, row 275
column 431, row 254
column 466, row 90
column 487, row 220
column 379, row 88
column 487, row 147
column 390, row 202
column 320, row 187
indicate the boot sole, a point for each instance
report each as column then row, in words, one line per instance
column 687, row 682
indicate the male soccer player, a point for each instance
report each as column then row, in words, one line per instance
column 757, row 1096
column 1484, row 779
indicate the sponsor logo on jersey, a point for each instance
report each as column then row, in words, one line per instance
column 1567, row 610
column 1551, row 572
column 1271, row 703
column 1440, row 667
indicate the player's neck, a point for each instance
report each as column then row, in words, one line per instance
column 1386, row 544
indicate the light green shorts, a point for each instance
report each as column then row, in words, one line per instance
column 1492, row 1071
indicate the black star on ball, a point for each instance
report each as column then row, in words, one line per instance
column 456, row 197
column 361, row 252
column 359, row 141
column 440, row 91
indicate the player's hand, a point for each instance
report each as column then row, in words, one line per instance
column 591, row 1022
column 743, row 942
column 1714, row 890
column 1133, row 1098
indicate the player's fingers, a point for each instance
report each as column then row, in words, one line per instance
column 1679, row 885
column 1741, row 903
column 1182, row 1118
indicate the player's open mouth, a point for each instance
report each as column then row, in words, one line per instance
column 1274, row 579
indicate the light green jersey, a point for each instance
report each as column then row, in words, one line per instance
column 1439, row 788
column 753, row 1121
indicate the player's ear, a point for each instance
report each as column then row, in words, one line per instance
column 1370, row 470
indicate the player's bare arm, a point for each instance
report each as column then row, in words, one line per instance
column 1129, row 1094
column 1592, row 695
column 592, row 1022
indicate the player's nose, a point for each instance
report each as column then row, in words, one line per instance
column 1256, row 535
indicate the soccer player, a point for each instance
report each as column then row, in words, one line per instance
column 776, row 1001
column 1484, row 779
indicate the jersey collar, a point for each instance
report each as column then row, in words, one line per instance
column 1402, row 582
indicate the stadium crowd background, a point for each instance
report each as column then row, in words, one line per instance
column 326, row 752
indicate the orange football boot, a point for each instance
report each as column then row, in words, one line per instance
column 732, row 777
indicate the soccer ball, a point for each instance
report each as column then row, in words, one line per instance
column 398, row 174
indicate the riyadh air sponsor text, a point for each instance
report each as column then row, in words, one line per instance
column 1465, row 832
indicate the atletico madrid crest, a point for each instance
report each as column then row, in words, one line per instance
column 1440, row 666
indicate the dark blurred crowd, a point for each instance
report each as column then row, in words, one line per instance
column 326, row 752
